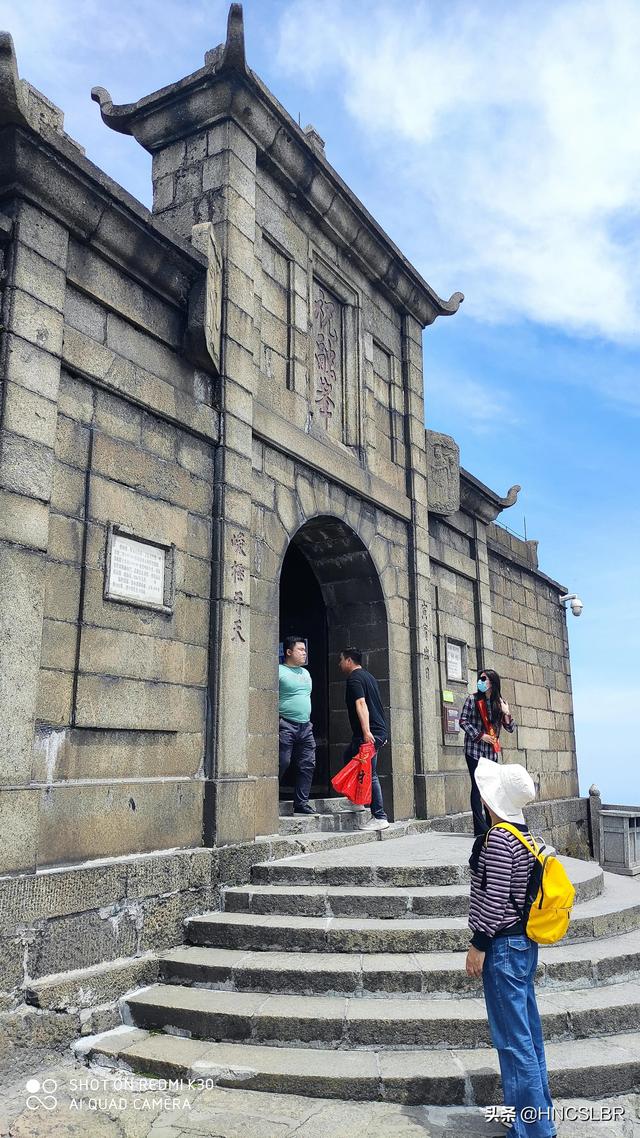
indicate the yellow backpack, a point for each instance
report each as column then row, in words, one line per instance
column 549, row 897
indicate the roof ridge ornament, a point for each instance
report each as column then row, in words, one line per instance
column 233, row 55
column 511, row 497
column 13, row 97
column 449, row 308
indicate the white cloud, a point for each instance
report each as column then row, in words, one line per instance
column 466, row 399
column 516, row 131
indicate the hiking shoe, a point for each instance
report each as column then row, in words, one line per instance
column 306, row 809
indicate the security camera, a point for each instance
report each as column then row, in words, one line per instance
column 576, row 604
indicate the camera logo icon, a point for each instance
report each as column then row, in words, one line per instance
column 41, row 1094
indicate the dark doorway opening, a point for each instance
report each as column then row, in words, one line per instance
column 330, row 594
column 303, row 613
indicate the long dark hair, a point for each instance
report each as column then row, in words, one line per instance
column 493, row 701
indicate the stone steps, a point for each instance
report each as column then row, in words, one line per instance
column 371, row 1006
column 336, row 804
column 322, row 823
column 374, row 901
column 439, row 974
column 590, row 1067
column 334, row 816
column 282, row 933
column 381, row 869
column 347, row 1022
column 334, row 901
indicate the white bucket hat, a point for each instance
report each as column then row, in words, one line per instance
column 505, row 789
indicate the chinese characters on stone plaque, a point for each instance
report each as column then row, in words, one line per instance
column 238, row 572
column 327, row 352
column 454, row 660
column 136, row 571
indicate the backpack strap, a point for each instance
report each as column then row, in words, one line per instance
column 536, row 850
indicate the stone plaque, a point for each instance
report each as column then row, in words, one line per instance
column 443, row 471
column 454, row 660
column 451, row 721
column 136, row 571
column 327, row 358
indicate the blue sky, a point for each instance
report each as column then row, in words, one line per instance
column 499, row 146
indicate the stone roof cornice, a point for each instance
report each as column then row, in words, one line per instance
column 481, row 501
column 226, row 88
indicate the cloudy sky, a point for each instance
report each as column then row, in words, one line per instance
column 499, row 146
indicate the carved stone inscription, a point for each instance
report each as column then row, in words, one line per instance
column 327, row 358
column 239, row 573
column 136, row 571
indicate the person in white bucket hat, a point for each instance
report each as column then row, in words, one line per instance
column 501, row 952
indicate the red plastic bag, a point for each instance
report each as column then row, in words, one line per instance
column 354, row 780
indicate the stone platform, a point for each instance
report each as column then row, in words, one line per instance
column 340, row 973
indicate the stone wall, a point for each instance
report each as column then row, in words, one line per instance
column 122, row 690
column 109, row 420
column 531, row 650
column 521, row 633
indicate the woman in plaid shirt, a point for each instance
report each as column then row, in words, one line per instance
column 478, row 743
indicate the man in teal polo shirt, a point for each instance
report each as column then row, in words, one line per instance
column 297, row 744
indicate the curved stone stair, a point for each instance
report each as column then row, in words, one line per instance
column 341, row 973
column 334, row 815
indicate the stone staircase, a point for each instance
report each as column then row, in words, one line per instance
column 334, row 816
column 341, row 974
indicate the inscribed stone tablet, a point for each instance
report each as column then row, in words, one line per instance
column 136, row 571
column 454, row 660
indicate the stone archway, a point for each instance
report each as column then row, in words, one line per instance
column 330, row 593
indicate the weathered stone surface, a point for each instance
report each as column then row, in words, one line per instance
column 80, row 941
column 79, row 753
column 119, row 818
column 18, row 829
column 21, row 613
column 112, row 653
column 443, row 466
column 23, row 521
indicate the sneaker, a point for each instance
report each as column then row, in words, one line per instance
column 306, row 809
column 376, row 824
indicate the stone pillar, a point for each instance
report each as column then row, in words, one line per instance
column 429, row 785
column 484, row 630
column 595, row 807
column 222, row 176
column 33, row 303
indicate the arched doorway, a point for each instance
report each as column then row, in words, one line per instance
column 330, row 594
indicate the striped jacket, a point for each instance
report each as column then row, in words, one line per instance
column 498, row 869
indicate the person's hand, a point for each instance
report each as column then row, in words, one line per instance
column 475, row 961
column 486, row 738
column 505, row 708
column 368, row 737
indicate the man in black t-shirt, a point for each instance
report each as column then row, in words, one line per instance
column 368, row 724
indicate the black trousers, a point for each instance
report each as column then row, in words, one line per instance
column 297, row 747
column 481, row 818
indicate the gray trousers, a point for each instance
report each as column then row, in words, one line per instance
column 298, row 748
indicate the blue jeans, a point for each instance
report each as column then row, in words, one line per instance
column 377, row 805
column 298, row 749
column 516, row 1031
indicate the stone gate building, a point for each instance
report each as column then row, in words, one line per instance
column 212, row 435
